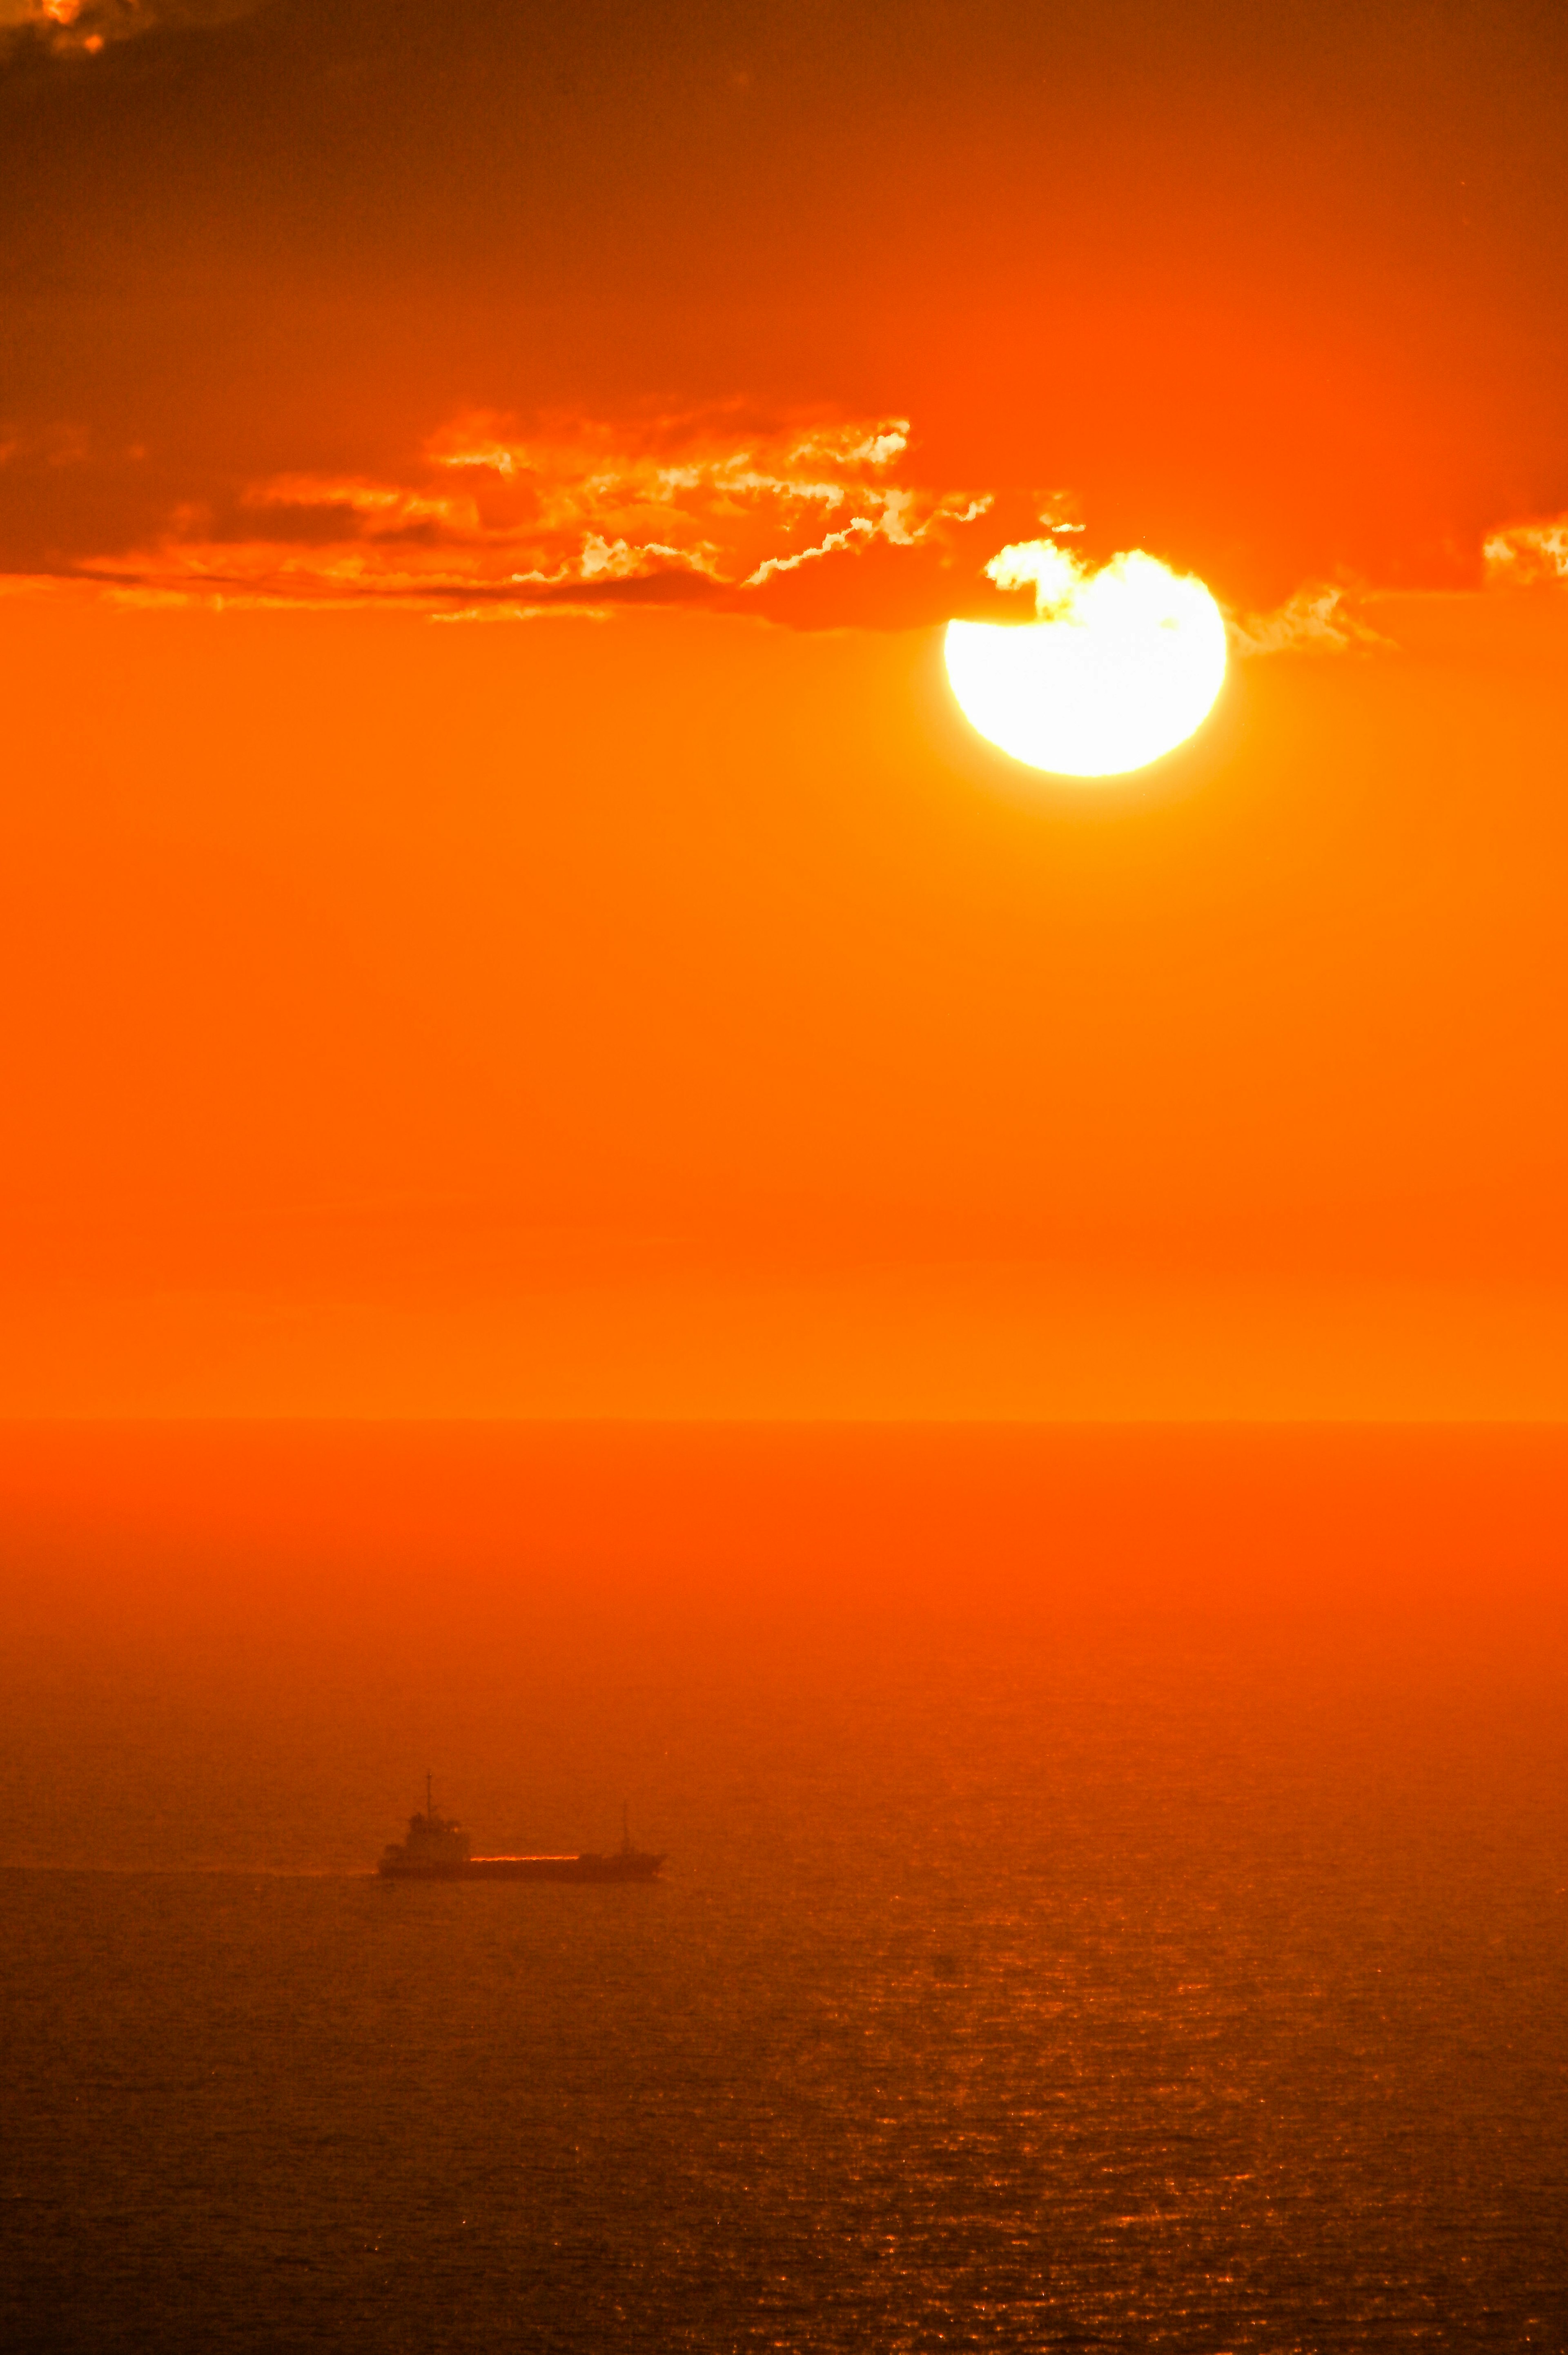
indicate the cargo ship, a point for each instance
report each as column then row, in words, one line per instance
column 438, row 1848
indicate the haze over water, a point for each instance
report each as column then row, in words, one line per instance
column 1117, row 1889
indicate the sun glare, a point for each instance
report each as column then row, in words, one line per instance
column 1118, row 666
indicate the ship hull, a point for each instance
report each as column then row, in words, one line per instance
column 529, row 1868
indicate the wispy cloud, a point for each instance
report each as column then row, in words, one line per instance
column 1321, row 619
column 83, row 28
column 1522, row 553
column 809, row 522
column 835, row 540
column 676, row 510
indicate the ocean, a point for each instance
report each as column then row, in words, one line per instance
column 1116, row 1890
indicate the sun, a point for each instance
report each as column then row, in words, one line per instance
column 1119, row 666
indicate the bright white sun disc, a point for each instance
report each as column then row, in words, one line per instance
column 1122, row 665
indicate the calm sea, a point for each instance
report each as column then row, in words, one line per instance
column 1117, row 1896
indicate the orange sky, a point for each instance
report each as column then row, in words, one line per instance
column 500, row 911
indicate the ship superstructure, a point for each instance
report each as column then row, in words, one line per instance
column 436, row 1843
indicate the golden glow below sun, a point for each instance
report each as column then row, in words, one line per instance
column 1121, row 665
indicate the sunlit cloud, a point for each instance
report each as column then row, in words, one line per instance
column 83, row 28
column 808, row 522
column 1331, row 619
column 674, row 510
column 1319, row 620
column 835, row 540
column 375, row 508
column 1523, row 553
column 1057, row 576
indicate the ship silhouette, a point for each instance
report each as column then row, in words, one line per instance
column 438, row 1848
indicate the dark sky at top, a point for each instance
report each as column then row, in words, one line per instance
column 1277, row 289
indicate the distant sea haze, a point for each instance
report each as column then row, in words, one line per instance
column 1117, row 1896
